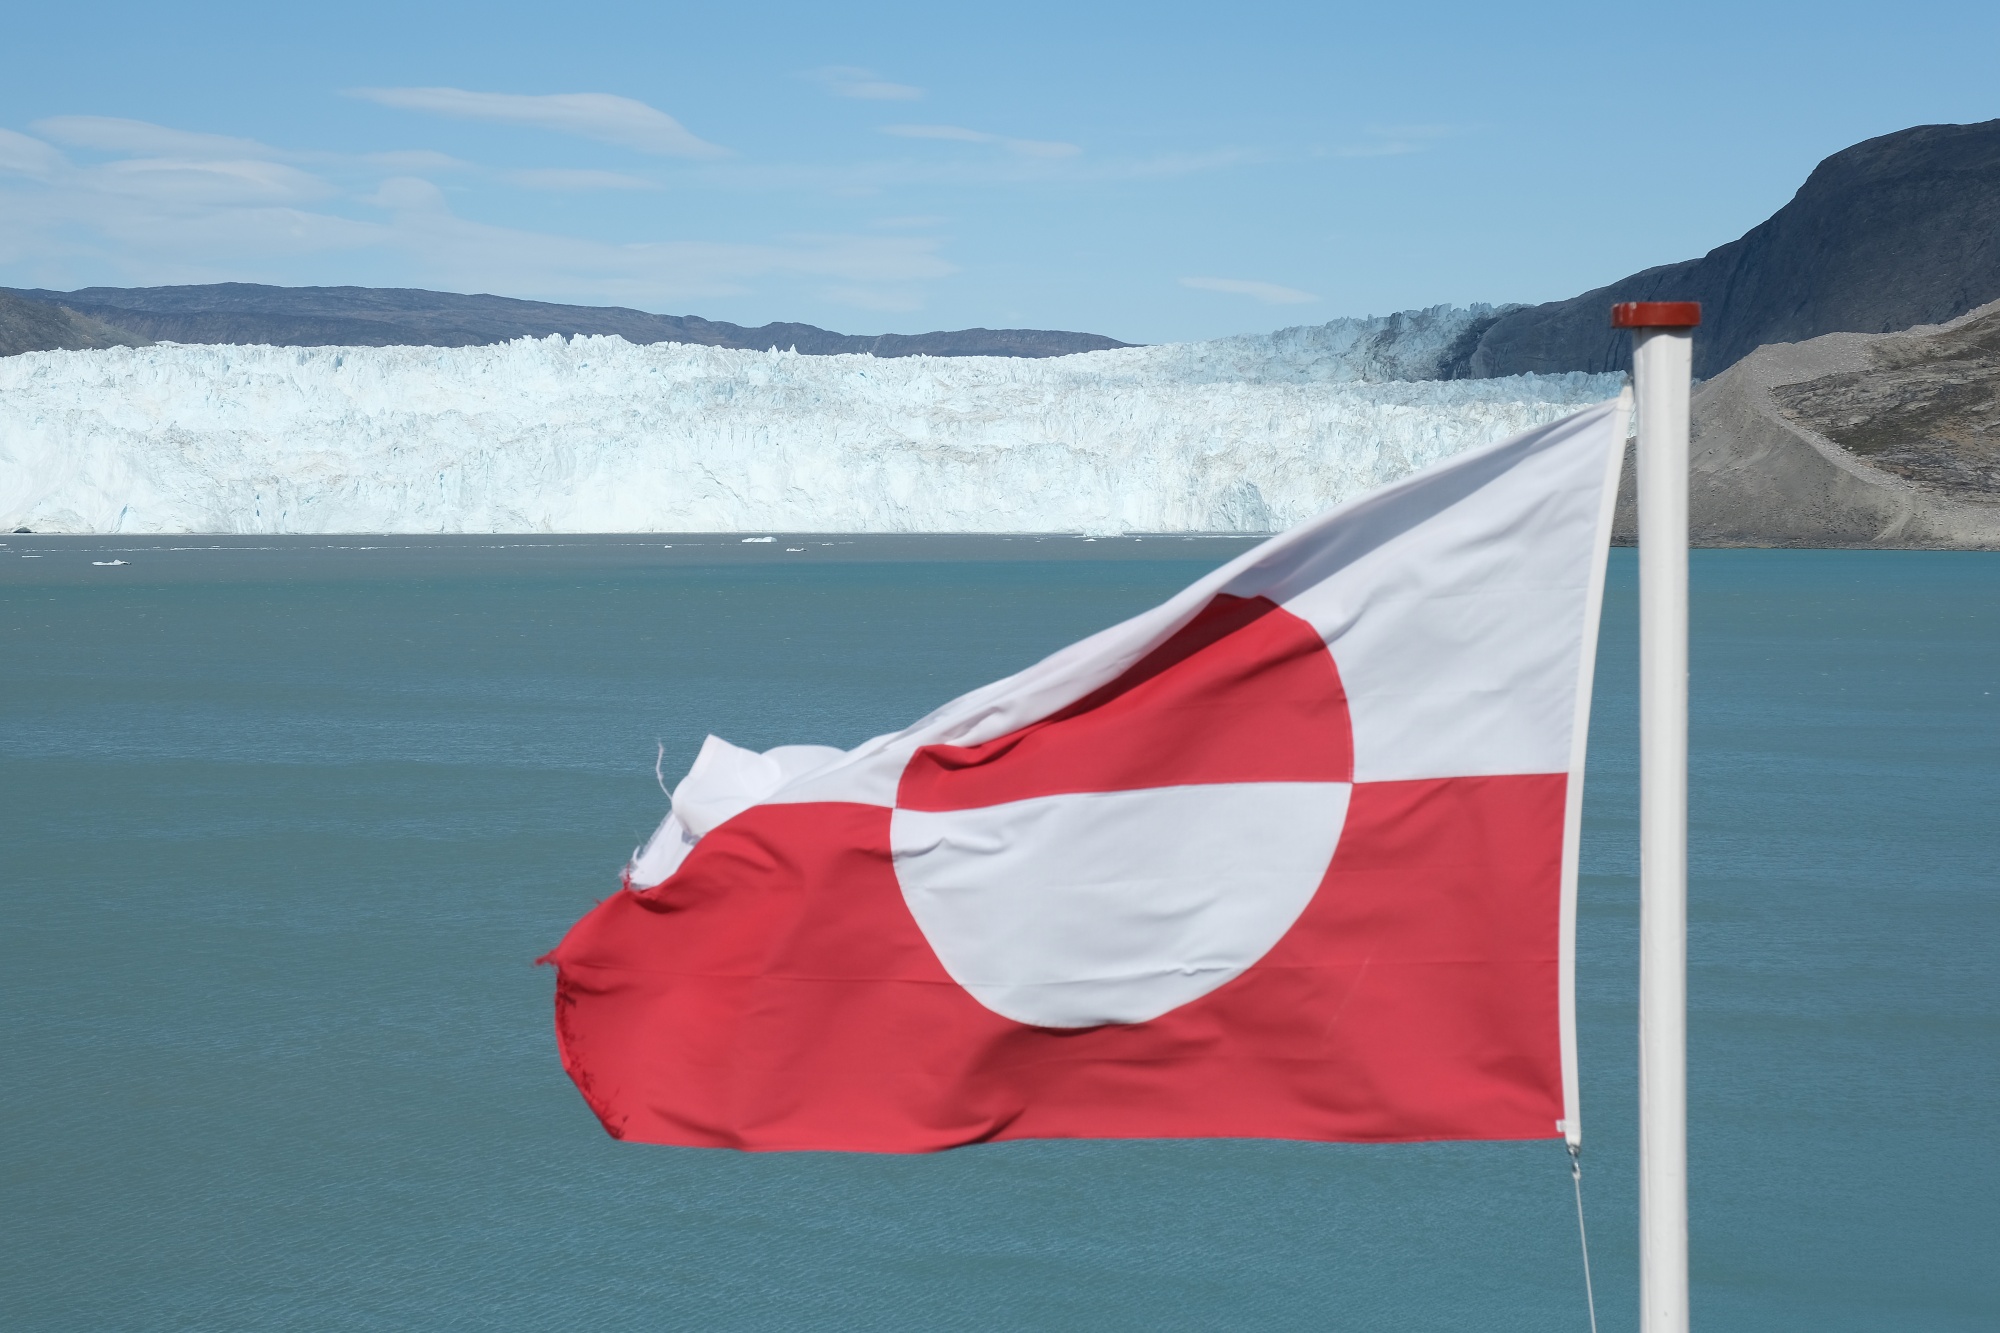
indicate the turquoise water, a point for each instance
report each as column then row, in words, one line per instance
column 283, row 830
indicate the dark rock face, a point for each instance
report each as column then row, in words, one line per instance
column 1891, row 233
column 32, row 326
column 241, row 312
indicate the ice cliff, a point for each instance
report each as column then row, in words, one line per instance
column 594, row 434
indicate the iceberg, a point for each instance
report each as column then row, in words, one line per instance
column 594, row 434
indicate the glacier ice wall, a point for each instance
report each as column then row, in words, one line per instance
column 1408, row 345
column 597, row 435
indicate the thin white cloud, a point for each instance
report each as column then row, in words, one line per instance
column 476, row 256
column 1270, row 293
column 1041, row 147
column 210, row 181
column 954, row 132
column 416, row 159
column 564, row 179
column 959, row 134
column 889, row 300
column 989, row 170
column 408, row 194
column 193, row 219
column 165, row 226
column 1383, row 148
column 28, row 157
column 861, row 84
column 1166, row 166
column 605, row 117
column 1393, row 141
column 114, row 134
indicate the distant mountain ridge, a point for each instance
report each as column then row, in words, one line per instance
column 1891, row 233
column 252, row 313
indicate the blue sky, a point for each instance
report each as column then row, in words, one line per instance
column 1153, row 172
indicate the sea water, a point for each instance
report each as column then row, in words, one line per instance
column 286, row 823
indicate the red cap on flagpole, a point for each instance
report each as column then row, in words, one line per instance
column 1656, row 314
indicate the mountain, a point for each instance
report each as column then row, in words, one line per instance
column 35, row 326
column 1891, row 233
column 243, row 312
column 1850, row 439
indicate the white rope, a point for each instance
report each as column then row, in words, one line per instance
column 1583, row 1237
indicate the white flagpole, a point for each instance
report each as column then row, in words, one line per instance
column 1662, row 366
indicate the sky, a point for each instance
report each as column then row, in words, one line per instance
column 1154, row 172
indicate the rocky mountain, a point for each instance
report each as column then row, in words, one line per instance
column 1891, row 233
column 36, row 326
column 1925, row 406
column 1850, row 439
column 242, row 312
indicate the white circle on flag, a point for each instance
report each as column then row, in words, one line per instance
column 1087, row 908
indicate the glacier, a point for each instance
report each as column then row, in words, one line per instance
column 593, row 434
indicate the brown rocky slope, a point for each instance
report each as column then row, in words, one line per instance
column 1851, row 439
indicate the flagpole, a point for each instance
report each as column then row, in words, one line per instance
column 1662, row 367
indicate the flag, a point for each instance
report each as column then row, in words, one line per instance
column 1291, row 855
